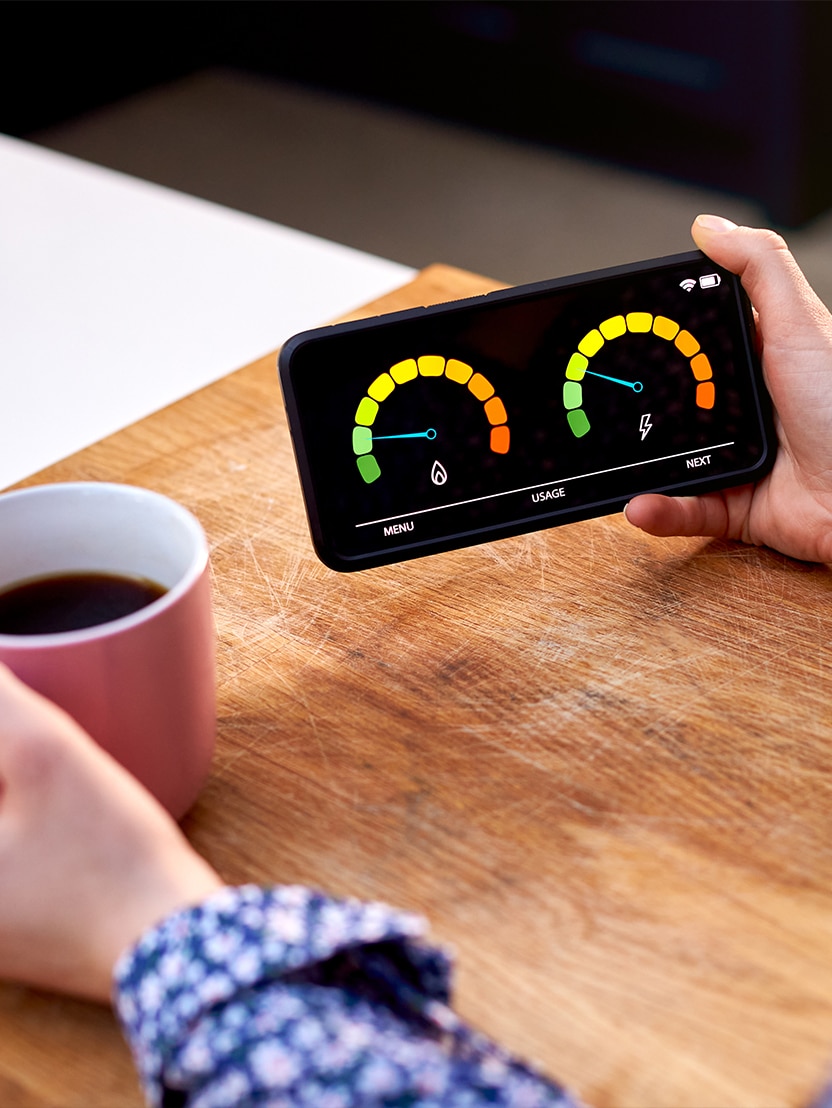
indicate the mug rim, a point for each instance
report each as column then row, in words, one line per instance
column 196, row 566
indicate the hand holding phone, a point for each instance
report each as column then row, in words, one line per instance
column 442, row 427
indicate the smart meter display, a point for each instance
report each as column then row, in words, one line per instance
column 442, row 427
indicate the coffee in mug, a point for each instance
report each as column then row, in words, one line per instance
column 69, row 601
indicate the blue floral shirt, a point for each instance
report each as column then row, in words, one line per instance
column 288, row 998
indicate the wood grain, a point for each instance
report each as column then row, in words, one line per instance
column 597, row 761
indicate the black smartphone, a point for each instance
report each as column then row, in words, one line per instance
column 435, row 428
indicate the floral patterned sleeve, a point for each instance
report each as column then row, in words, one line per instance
column 288, row 998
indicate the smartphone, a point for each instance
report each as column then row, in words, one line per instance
column 435, row 428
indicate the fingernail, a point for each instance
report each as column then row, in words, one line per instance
column 715, row 223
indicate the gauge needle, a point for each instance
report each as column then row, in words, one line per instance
column 636, row 386
column 429, row 434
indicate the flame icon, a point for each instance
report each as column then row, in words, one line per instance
column 439, row 475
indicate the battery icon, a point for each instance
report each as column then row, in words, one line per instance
column 709, row 281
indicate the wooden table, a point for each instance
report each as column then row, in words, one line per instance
column 598, row 762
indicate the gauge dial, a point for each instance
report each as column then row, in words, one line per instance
column 427, row 408
column 588, row 366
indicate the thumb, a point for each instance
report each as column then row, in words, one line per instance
column 23, row 711
column 786, row 304
column 34, row 732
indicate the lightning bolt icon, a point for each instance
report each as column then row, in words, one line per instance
column 645, row 425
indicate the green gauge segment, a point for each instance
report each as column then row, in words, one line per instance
column 428, row 365
column 616, row 327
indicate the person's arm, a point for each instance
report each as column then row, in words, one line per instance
column 227, row 996
column 287, row 996
column 789, row 510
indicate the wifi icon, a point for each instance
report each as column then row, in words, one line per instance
column 687, row 284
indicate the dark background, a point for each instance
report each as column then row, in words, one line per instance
column 731, row 94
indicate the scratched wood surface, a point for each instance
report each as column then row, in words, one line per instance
column 598, row 762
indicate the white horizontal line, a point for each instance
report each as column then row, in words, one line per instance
column 543, row 485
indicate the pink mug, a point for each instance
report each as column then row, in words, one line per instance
column 143, row 684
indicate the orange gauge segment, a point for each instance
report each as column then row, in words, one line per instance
column 500, row 439
column 705, row 394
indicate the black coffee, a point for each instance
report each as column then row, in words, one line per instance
column 70, row 601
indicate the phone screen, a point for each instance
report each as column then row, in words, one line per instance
column 443, row 427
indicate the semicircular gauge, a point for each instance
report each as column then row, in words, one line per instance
column 616, row 327
column 400, row 375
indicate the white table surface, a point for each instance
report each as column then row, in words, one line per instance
column 118, row 297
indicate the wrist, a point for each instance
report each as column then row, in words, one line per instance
column 182, row 882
